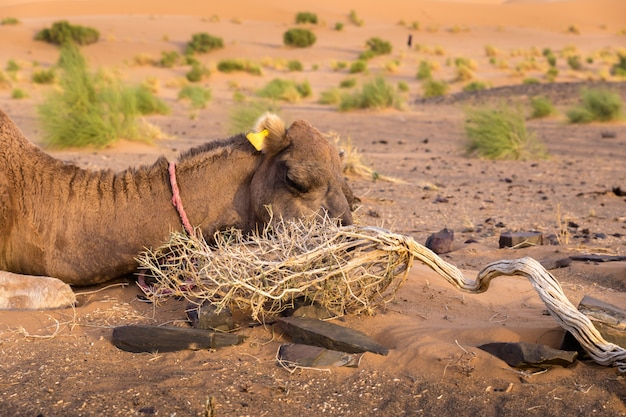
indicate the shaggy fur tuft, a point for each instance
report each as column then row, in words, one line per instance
column 276, row 140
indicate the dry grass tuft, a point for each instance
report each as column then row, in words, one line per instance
column 343, row 269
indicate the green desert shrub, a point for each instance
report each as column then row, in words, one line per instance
column 202, row 43
column 10, row 21
column 233, row 65
column 424, row 70
column 355, row 19
column 299, row 38
column 18, row 93
column 197, row 73
column 541, row 107
column 243, row 117
column 376, row 94
column 500, row 133
column 474, row 86
column 62, row 32
column 13, row 66
column 619, row 68
column 339, row 26
column 357, row 66
column 597, row 105
column 147, row 102
column 434, row 88
column 331, row 96
column 169, row 59
column 403, row 86
column 286, row 90
column 347, row 83
column 294, row 65
column 306, row 17
column 90, row 108
column 197, row 96
column 574, row 62
column 44, row 76
column 375, row 47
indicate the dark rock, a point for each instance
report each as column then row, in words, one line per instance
column 608, row 134
column 520, row 239
column 206, row 317
column 608, row 319
column 556, row 263
column 293, row 354
column 140, row 338
column 440, row 242
column 529, row 355
column 328, row 335
column 598, row 258
column 619, row 192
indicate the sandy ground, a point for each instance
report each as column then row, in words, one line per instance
column 61, row 363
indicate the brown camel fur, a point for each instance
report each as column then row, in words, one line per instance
column 86, row 227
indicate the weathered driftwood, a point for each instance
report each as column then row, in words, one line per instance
column 607, row 318
column 140, row 338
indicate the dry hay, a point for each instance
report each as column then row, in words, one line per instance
column 351, row 269
column 343, row 269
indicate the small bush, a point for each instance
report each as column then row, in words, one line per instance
column 13, row 66
column 355, row 19
column 294, row 65
column 375, row 47
column 475, row 86
column 89, row 109
column 597, row 105
column 243, row 117
column 169, row 59
column 551, row 74
column 197, row 96
column 10, row 21
column 347, row 83
column 573, row 61
column 434, row 88
column 62, row 32
column 530, row 80
column 339, row 26
column 358, row 66
column 197, row 73
column 306, row 17
column 18, row 94
column 403, row 86
column 286, row 90
column 424, row 71
column 377, row 94
column 619, row 68
column 202, row 43
column 332, row 96
column 299, row 38
column 500, row 134
column 541, row 107
column 44, row 76
column 148, row 103
column 232, row 65
column 491, row 51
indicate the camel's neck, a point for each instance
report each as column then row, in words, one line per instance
column 214, row 185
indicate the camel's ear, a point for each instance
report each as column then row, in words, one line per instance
column 270, row 135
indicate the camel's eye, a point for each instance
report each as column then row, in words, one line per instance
column 294, row 185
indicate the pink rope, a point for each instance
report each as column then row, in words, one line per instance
column 177, row 202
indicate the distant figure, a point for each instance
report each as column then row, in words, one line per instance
column 410, row 41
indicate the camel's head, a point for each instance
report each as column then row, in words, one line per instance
column 300, row 173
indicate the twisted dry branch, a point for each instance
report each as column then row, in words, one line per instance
column 352, row 269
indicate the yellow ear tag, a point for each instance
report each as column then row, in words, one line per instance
column 256, row 139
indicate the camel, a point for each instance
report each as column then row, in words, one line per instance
column 63, row 226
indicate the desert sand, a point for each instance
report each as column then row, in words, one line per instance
column 62, row 363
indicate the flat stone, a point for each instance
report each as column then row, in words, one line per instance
column 328, row 335
column 530, row 355
column 440, row 242
column 293, row 354
column 608, row 319
column 141, row 338
column 206, row 317
column 556, row 263
column 520, row 239
column 313, row 311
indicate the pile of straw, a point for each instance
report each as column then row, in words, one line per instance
column 343, row 269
